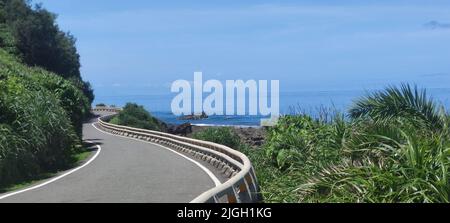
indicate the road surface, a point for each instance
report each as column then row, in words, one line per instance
column 124, row 171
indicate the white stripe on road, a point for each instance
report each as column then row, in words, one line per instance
column 56, row 178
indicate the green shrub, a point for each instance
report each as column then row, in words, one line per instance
column 136, row 116
column 302, row 141
column 71, row 98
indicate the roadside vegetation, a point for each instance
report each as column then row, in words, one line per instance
column 43, row 100
column 223, row 135
column 393, row 146
column 40, row 120
column 136, row 116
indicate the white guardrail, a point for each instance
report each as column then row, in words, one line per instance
column 241, row 186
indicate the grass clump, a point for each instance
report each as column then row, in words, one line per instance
column 221, row 135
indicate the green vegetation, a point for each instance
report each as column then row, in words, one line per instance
column 393, row 147
column 40, row 120
column 134, row 115
column 32, row 35
column 82, row 155
column 43, row 100
column 223, row 135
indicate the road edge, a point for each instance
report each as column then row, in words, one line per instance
column 49, row 181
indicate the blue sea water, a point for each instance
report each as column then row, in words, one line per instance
column 310, row 102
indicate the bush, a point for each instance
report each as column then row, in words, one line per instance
column 71, row 98
column 302, row 141
column 221, row 135
column 136, row 116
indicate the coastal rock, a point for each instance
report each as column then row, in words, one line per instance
column 194, row 117
column 182, row 129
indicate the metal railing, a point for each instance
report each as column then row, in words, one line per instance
column 241, row 186
column 106, row 109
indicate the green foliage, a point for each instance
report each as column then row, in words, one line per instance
column 31, row 34
column 395, row 149
column 393, row 103
column 39, row 40
column 7, row 41
column 85, row 88
column 36, row 133
column 401, row 166
column 41, row 113
column 136, row 116
column 70, row 97
column 40, row 116
column 222, row 135
column 302, row 141
column 88, row 91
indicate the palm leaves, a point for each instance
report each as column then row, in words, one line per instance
column 393, row 103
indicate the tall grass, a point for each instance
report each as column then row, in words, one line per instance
column 39, row 120
column 221, row 135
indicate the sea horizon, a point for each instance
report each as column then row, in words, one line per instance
column 302, row 101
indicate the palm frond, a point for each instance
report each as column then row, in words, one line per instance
column 398, row 102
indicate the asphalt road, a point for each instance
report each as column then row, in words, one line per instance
column 125, row 171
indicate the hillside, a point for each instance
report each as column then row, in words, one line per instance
column 41, row 117
column 43, row 99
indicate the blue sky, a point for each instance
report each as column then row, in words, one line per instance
column 140, row 47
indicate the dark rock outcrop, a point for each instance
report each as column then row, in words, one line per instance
column 182, row 129
column 194, row 117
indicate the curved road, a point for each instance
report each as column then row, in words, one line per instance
column 125, row 170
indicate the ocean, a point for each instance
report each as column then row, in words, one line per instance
column 309, row 102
